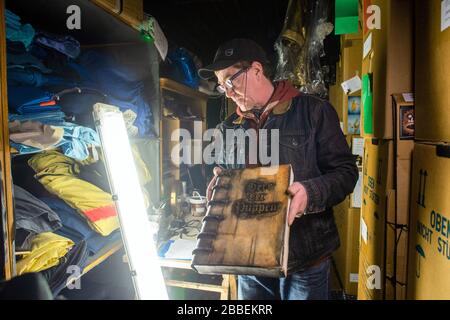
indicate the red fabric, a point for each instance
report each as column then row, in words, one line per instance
column 284, row 91
column 47, row 103
column 101, row 213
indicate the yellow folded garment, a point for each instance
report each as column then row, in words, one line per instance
column 46, row 251
column 143, row 173
column 142, row 170
column 58, row 174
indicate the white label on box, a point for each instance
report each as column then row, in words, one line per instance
column 408, row 97
column 364, row 232
column 445, row 14
column 356, row 197
column 367, row 45
column 352, row 85
column 358, row 146
column 160, row 39
column 353, row 277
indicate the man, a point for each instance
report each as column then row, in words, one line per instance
column 310, row 139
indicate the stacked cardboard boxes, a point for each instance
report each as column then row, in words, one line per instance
column 397, row 223
column 432, row 62
column 377, row 199
column 347, row 213
column 347, row 216
column 348, row 67
column 387, row 67
column 429, row 252
column 346, row 257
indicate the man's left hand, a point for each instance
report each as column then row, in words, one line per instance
column 298, row 202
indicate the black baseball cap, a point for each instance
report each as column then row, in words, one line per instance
column 232, row 52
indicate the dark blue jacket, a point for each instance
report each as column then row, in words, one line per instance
column 311, row 141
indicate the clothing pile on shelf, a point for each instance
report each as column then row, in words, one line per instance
column 38, row 245
column 67, row 225
column 63, row 207
column 50, row 73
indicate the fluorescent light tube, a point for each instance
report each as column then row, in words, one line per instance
column 137, row 232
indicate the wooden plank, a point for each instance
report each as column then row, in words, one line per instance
column 175, row 263
column 104, row 254
column 131, row 19
column 194, row 285
column 5, row 155
column 233, row 287
column 109, row 5
column 94, row 261
column 179, row 88
column 225, row 287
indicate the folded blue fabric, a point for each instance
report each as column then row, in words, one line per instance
column 26, row 99
column 25, row 60
column 76, row 140
column 35, row 106
column 65, row 44
column 97, row 71
column 74, row 144
column 76, row 228
column 31, row 77
column 11, row 15
column 51, row 117
column 15, row 31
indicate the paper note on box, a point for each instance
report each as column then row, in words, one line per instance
column 367, row 46
column 364, row 231
column 445, row 14
column 408, row 97
column 358, row 146
column 356, row 196
column 352, row 85
column 353, row 277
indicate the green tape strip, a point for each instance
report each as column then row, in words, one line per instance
column 346, row 16
column 367, row 97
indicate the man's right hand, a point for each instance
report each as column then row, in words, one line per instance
column 217, row 171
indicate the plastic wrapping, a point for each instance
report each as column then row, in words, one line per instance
column 185, row 69
column 299, row 61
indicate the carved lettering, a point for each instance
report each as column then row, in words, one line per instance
column 245, row 209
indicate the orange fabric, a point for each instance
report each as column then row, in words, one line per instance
column 100, row 213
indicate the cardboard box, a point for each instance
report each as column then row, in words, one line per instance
column 347, row 256
column 397, row 222
column 432, row 78
column 378, row 200
column 397, row 225
column 389, row 61
column 403, row 112
column 395, row 292
column 396, row 262
column 429, row 251
column 335, row 98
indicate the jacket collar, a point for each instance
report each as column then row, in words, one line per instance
column 279, row 103
column 279, row 109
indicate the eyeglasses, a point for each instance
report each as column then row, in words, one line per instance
column 228, row 84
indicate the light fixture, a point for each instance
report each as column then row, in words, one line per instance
column 137, row 232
